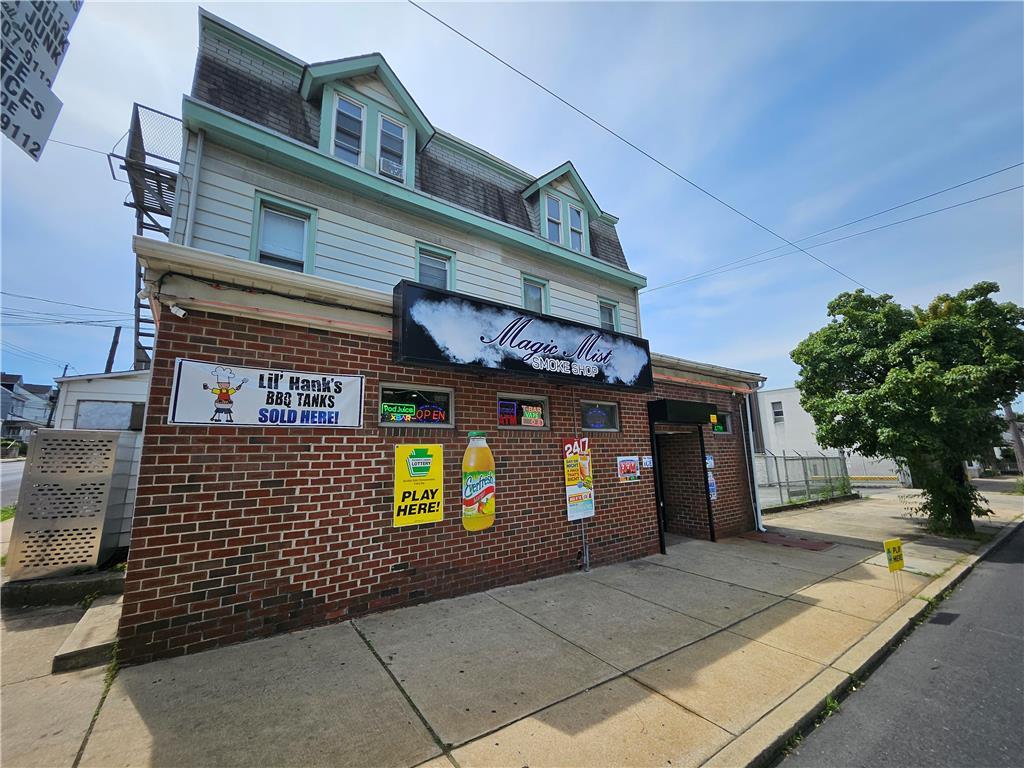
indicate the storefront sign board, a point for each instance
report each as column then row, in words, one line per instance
column 208, row 393
column 628, row 468
column 579, row 479
column 436, row 327
column 419, row 484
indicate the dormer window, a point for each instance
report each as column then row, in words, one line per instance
column 392, row 149
column 575, row 228
column 348, row 130
column 553, row 207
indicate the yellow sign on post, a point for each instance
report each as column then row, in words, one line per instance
column 894, row 554
column 419, row 484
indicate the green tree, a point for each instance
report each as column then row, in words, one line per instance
column 919, row 386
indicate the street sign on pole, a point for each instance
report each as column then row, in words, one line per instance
column 35, row 40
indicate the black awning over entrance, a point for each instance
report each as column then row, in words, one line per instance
column 682, row 412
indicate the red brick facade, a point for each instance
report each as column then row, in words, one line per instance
column 242, row 532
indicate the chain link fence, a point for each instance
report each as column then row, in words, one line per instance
column 794, row 478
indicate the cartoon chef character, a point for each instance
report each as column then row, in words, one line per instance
column 223, row 390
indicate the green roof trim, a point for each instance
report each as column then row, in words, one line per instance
column 262, row 143
column 316, row 76
column 567, row 168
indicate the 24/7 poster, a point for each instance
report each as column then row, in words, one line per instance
column 579, row 478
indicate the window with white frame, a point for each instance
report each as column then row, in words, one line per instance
column 392, row 149
column 348, row 130
column 534, row 294
column 575, row 228
column 609, row 315
column 553, row 216
column 434, row 269
column 777, row 413
column 282, row 239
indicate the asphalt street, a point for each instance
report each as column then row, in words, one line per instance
column 10, row 481
column 952, row 694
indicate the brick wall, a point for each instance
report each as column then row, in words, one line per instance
column 242, row 532
column 686, row 510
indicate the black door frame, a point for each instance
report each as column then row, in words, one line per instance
column 681, row 413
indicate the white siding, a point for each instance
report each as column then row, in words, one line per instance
column 371, row 85
column 132, row 388
column 369, row 245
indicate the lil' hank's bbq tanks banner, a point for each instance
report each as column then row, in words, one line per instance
column 436, row 327
column 207, row 393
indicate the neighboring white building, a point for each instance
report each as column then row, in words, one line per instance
column 787, row 428
column 110, row 401
column 23, row 407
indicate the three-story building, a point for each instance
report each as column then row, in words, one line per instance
column 342, row 277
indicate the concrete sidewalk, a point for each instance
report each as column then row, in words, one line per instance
column 695, row 657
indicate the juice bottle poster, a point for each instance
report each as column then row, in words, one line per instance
column 478, row 484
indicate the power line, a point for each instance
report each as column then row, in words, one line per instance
column 62, row 303
column 847, row 224
column 639, row 149
column 78, row 146
column 734, row 265
column 15, row 349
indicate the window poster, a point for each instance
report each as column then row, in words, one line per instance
column 628, row 468
column 579, row 478
column 522, row 412
column 419, row 484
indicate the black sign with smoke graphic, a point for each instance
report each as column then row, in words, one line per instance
column 436, row 327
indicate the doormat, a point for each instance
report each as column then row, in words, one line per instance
column 796, row 542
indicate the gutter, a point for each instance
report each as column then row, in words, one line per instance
column 752, row 478
column 193, row 193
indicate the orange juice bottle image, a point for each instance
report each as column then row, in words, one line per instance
column 477, row 484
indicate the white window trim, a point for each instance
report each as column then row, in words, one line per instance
column 524, row 396
column 618, row 415
column 545, row 301
column 268, row 206
column 614, row 306
column 413, row 385
column 583, row 222
column 548, row 219
column 437, row 257
column 334, row 129
column 381, row 117
column 778, row 418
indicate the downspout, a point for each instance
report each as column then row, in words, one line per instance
column 751, row 475
column 193, row 193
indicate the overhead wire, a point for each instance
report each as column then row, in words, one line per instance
column 636, row 147
column 890, row 209
column 733, row 266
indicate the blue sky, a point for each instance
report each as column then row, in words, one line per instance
column 804, row 116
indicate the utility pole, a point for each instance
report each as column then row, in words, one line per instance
column 53, row 401
column 113, row 350
column 1018, row 446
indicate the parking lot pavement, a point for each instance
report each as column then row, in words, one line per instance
column 630, row 664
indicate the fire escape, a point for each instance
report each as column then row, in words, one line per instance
column 150, row 165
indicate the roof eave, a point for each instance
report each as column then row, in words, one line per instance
column 316, row 76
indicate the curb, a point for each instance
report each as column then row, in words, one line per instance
column 761, row 744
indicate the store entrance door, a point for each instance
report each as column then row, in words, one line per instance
column 681, row 488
